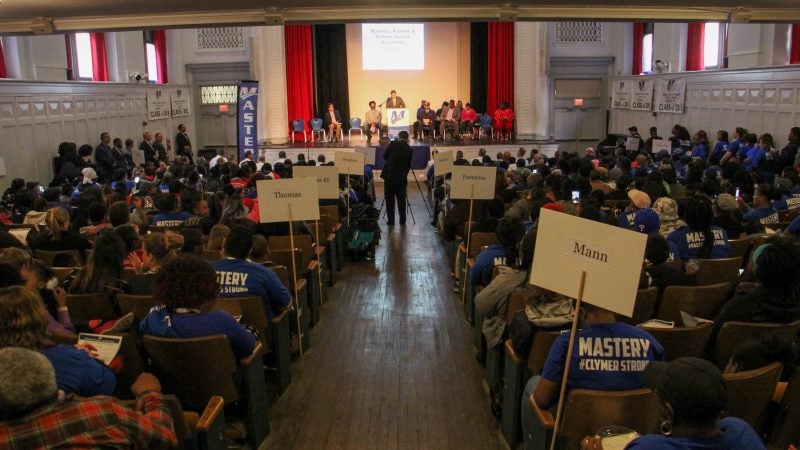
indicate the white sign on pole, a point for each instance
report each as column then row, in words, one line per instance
column 642, row 95
column 473, row 182
column 621, row 97
column 661, row 145
column 369, row 154
column 327, row 179
column 158, row 104
column 632, row 144
column 611, row 257
column 670, row 95
column 351, row 163
column 278, row 200
column 179, row 101
column 138, row 157
column 442, row 163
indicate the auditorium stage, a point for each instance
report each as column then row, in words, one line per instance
column 312, row 150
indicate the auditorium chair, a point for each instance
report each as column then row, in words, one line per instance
column 477, row 243
column 750, row 392
column 682, row 341
column 699, row 301
column 298, row 126
column 731, row 334
column 516, row 373
column 60, row 258
column 713, row 271
column 644, row 308
column 307, row 267
column 586, row 411
column 486, row 125
column 298, row 288
column 338, row 229
column 355, row 126
column 275, row 333
column 331, row 258
column 212, row 255
column 62, row 273
column 324, row 250
column 197, row 369
column 316, row 130
column 785, row 430
column 86, row 307
column 139, row 305
column 204, row 430
column 739, row 248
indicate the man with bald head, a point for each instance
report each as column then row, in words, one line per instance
column 147, row 146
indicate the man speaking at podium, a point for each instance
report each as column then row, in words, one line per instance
column 394, row 101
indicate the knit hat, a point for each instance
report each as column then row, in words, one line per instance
column 640, row 199
column 726, row 202
column 666, row 208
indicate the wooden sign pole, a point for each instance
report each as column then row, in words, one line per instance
column 348, row 196
column 294, row 282
column 469, row 235
column 319, row 262
column 573, row 331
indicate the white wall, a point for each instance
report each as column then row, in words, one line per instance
column 616, row 43
column 669, row 44
column 761, row 100
column 182, row 50
column 36, row 117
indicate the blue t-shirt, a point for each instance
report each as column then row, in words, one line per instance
column 733, row 147
column 763, row 215
column 79, row 373
column 700, row 151
column 606, row 357
column 160, row 322
column 170, row 219
column 719, row 149
column 755, row 155
column 794, row 226
column 238, row 278
column 689, row 243
column 787, row 202
column 481, row 273
column 744, row 150
column 736, row 434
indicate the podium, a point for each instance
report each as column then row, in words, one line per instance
column 397, row 120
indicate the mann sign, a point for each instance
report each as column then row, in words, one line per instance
column 247, row 108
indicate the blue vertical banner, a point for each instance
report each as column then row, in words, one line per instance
column 247, row 113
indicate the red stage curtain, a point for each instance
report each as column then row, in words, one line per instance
column 638, row 37
column 794, row 45
column 160, row 43
column 99, row 65
column 3, row 73
column 501, row 65
column 695, row 42
column 299, row 73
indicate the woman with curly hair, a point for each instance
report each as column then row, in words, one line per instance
column 185, row 291
column 23, row 323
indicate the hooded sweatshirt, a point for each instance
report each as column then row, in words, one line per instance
column 758, row 306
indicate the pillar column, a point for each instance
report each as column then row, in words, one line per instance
column 268, row 66
column 530, row 80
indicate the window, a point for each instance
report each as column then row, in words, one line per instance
column 150, row 57
column 82, row 55
column 711, row 45
column 218, row 95
column 647, row 48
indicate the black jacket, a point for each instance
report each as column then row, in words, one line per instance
column 398, row 162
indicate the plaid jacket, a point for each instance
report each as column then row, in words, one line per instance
column 92, row 423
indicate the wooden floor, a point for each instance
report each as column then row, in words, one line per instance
column 391, row 363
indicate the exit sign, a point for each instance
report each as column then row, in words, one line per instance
column 223, row 108
column 577, row 102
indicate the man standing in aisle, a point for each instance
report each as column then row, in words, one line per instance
column 182, row 139
column 394, row 101
column 161, row 151
column 333, row 122
column 372, row 122
column 395, row 175
column 103, row 157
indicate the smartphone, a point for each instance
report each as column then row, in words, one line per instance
column 535, row 171
column 136, row 180
column 576, row 196
column 41, row 189
column 737, row 196
column 201, row 176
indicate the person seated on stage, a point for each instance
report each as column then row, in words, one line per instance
column 504, row 121
column 332, row 121
column 417, row 129
column 372, row 122
column 427, row 120
column 394, row 101
column 601, row 346
column 34, row 413
column 468, row 118
column 439, row 113
column 450, row 119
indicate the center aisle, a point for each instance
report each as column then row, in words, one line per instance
column 391, row 363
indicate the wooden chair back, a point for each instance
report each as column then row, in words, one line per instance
column 62, row 272
column 60, row 258
column 739, row 248
column 540, row 348
column 128, row 273
column 587, row 411
column 332, row 211
column 194, row 369
column 516, row 302
column 250, row 308
column 480, row 240
column 715, row 271
column 86, row 307
column 699, row 301
column 731, row 334
column 750, row 392
column 683, row 341
column 645, row 306
column 212, row 255
column 139, row 305
column 283, row 274
column 302, row 242
column 284, row 258
column 785, row 430
column 158, row 229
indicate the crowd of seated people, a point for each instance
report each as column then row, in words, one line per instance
column 694, row 202
column 461, row 120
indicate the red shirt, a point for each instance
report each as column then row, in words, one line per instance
column 469, row 114
column 501, row 114
column 92, row 423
